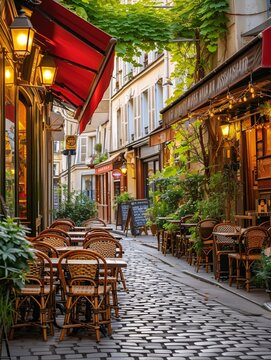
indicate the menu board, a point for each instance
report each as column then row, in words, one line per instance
column 138, row 210
column 124, row 208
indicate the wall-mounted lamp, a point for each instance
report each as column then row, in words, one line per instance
column 48, row 70
column 167, row 81
column 22, row 33
column 123, row 169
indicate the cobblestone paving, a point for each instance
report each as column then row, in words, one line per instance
column 160, row 319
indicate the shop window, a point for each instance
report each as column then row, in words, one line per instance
column 22, row 161
column 10, row 149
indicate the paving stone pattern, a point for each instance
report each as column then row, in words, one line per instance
column 161, row 318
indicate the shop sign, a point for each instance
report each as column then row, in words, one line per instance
column 71, row 142
column 116, row 173
column 103, row 169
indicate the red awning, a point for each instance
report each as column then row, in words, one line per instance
column 84, row 55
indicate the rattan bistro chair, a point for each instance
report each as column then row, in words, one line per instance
column 87, row 295
column 34, row 303
column 223, row 245
column 53, row 239
column 62, row 224
column 108, row 248
column 205, row 233
column 56, row 231
column 251, row 244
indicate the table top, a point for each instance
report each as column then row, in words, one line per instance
column 111, row 262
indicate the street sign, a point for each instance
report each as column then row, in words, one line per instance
column 71, row 142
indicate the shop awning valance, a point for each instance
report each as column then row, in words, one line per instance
column 107, row 165
column 84, row 55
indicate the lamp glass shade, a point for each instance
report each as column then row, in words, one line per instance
column 48, row 70
column 22, row 33
column 9, row 75
column 225, row 128
column 123, row 169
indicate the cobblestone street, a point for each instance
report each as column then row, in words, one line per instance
column 166, row 314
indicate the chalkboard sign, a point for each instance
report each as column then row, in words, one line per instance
column 124, row 207
column 138, row 209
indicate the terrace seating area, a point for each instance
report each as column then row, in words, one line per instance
column 81, row 280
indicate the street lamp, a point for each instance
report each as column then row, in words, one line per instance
column 22, row 33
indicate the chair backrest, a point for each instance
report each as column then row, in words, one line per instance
column 56, row 231
column 94, row 221
column 105, row 246
column 61, row 224
column 36, row 272
column 66, row 219
column 224, row 227
column 53, row 239
column 205, row 228
column 82, row 267
column 255, row 239
column 97, row 231
column 265, row 224
column 47, row 249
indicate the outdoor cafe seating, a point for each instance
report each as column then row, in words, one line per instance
column 252, row 242
column 108, row 248
column 34, row 303
column 87, row 292
column 225, row 235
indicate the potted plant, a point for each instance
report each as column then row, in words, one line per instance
column 15, row 254
column 263, row 272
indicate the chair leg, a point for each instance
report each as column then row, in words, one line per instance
column 122, row 279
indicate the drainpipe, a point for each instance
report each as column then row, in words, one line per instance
column 166, row 77
column 268, row 8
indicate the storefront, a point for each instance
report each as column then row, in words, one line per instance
column 237, row 93
column 71, row 46
column 111, row 180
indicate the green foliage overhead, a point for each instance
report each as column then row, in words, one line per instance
column 136, row 27
column 145, row 26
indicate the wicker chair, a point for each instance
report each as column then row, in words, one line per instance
column 57, row 231
column 34, row 303
column 62, row 224
column 87, row 298
column 251, row 244
column 94, row 222
column 108, row 248
column 53, row 239
column 223, row 245
column 205, row 232
column 265, row 224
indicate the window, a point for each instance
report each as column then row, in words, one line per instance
column 145, row 113
column 119, row 139
column 83, row 149
column 159, row 104
column 152, row 123
column 130, row 116
column 137, row 125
